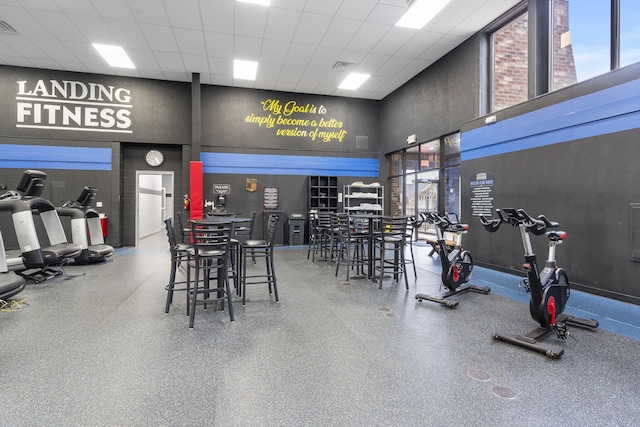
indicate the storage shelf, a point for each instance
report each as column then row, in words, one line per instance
column 364, row 199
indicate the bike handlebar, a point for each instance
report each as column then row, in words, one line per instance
column 444, row 223
column 518, row 217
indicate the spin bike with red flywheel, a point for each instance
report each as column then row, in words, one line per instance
column 457, row 264
column 549, row 288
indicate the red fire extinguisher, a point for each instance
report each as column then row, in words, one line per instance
column 186, row 202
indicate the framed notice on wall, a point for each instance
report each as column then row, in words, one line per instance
column 270, row 198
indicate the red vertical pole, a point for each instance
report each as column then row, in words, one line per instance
column 196, row 183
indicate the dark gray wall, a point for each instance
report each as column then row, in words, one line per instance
column 586, row 184
column 435, row 102
column 160, row 116
column 225, row 110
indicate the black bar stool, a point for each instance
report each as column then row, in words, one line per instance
column 260, row 249
column 211, row 256
column 179, row 253
column 391, row 237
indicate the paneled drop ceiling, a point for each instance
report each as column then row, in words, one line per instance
column 306, row 46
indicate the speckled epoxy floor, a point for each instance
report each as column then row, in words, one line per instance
column 99, row 350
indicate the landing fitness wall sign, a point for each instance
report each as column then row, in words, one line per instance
column 73, row 105
column 295, row 120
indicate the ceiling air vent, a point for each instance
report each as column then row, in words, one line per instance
column 5, row 28
column 341, row 65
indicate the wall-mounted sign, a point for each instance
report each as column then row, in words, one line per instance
column 482, row 194
column 270, row 198
column 221, row 189
column 73, row 105
column 251, row 185
column 290, row 119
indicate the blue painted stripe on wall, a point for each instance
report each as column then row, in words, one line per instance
column 611, row 110
column 54, row 157
column 267, row 164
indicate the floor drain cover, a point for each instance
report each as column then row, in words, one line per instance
column 479, row 375
column 507, row 393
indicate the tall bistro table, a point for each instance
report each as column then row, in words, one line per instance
column 373, row 220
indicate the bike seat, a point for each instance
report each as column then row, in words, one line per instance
column 556, row 236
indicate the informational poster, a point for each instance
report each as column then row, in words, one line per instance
column 270, row 198
column 482, row 194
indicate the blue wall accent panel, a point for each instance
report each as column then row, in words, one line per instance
column 267, row 164
column 54, row 157
column 611, row 110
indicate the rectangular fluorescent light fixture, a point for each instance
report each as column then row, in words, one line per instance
column 421, row 12
column 353, row 81
column 260, row 2
column 244, row 70
column 114, row 55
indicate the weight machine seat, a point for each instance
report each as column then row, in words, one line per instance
column 56, row 254
column 10, row 285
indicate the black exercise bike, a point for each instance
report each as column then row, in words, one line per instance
column 549, row 288
column 457, row 264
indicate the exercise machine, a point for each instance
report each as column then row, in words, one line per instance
column 549, row 288
column 10, row 284
column 86, row 230
column 22, row 204
column 457, row 264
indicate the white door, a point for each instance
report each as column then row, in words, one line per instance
column 154, row 202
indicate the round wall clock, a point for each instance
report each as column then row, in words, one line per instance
column 154, row 158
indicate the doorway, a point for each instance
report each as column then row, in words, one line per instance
column 154, row 202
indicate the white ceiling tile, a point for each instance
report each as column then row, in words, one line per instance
column 324, row 58
column 219, row 45
column 393, row 66
column 77, row 7
column 368, row 35
column 311, row 28
column 441, row 47
column 326, row 7
column 94, row 29
column 273, row 52
column 196, row 63
column 281, row 24
column 247, row 48
column 58, row 24
column 386, row 14
column 118, row 9
column 290, row 75
column 40, row 5
column 340, row 32
column 148, row 13
column 143, row 59
column 128, row 34
column 217, row 16
column 356, row 9
column 371, row 63
column 249, row 20
column 268, row 72
column 221, row 66
column 159, row 37
column 299, row 55
column 170, row 62
column 184, row 14
column 393, row 40
column 418, row 44
column 190, row 42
